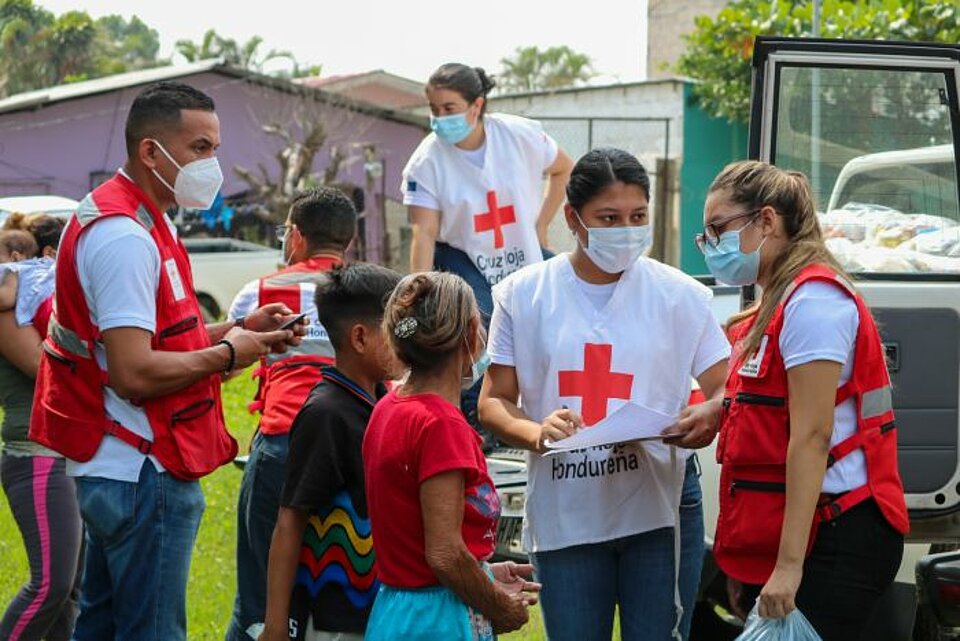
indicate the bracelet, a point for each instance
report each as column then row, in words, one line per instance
column 238, row 322
column 233, row 355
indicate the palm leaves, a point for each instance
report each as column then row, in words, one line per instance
column 533, row 69
column 38, row 49
column 247, row 55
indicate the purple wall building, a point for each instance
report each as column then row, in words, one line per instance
column 64, row 140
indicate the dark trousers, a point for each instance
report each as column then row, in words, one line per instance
column 854, row 559
column 43, row 500
column 257, row 509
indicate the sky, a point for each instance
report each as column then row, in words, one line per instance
column 407, row 37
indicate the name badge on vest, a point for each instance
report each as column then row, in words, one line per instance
column 176, row 284
column 751, row 367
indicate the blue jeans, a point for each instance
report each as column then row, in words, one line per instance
column 139, row 540
column 257, row 508
column 692, row 547
column 582, row 584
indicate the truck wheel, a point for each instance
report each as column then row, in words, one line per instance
column 208, row 308
column 925, row 624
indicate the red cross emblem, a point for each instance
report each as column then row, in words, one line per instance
column 596, row 384
column 494, row 218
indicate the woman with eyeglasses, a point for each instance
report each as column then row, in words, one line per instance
column 812, row 514
column 320, row 226
column 571, row 341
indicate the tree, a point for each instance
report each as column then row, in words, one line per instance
column 70, row 47
column 38, row 49
column 302, row 130
column 126, row 45
column 533, row 69
column 22, row 38
column 248, row 55
column 720, row 49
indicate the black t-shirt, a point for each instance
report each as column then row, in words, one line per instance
column 336, row 577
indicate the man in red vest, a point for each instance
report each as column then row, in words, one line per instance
column 321, row 224
column 128, row 388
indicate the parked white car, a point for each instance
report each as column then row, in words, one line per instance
column 221, row 266
column 53, row 205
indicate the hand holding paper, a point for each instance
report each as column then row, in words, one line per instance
column 696, row 426
column 631, row 422
column 557, row 426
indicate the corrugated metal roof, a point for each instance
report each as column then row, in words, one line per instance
column 42, row 97
column 588, row 88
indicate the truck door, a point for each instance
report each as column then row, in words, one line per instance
column 876, row 127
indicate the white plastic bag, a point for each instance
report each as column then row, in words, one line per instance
column 794, row 627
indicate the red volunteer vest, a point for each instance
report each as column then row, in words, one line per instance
column 755, row 430
column 189, row 436
column 286, row 379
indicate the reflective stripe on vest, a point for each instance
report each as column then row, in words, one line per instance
column 69, row 416
column 286, row 379
column 754, row 435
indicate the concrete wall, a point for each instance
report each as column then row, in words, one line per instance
column 644, row 118
column 667, row 22
column 56, row 149
column 711, row 144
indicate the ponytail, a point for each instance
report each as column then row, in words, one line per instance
column 756, row 185
column 470, row 82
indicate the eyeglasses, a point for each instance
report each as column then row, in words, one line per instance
column 281, row 232
column 711, row 232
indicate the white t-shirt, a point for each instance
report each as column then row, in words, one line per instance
column 35, row 280
column 316, row 342
column 489, row 211
column 654, row 333
column 820, row 324
column 119, row 267
column 599, row 295
column 475, row 156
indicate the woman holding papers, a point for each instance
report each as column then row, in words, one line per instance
column 811, row 503
column 591, row 331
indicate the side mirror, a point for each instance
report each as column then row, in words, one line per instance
column 938, row 586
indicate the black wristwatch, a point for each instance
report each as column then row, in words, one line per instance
column 238, row 322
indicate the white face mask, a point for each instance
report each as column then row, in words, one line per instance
column 615, row 249
column 197, row 182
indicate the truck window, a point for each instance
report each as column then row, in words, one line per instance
column 877, row 144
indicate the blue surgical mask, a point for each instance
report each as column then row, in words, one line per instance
column 451, row 129
column 615, row 249
column 728, row 264
column 477, row 369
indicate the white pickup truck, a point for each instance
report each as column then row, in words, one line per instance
column 876, row 125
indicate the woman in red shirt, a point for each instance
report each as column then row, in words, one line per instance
column 433, row 507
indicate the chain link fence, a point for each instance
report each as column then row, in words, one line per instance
column 649, row 139
column 646, row 138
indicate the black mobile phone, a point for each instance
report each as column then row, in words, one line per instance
column 293, row 321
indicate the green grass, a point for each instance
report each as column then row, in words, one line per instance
column 212, row 576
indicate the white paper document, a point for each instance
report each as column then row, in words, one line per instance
column 631, row 422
